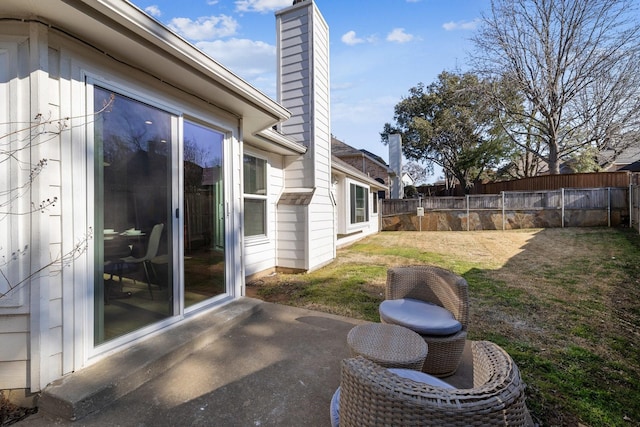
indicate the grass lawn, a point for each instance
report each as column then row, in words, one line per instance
column 565, row 303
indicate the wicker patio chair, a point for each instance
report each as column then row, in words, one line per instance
column 371, row 395
column 439, row 287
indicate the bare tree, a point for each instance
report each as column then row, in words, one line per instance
column 418, row 172
column 14, row 142
column 575, row 63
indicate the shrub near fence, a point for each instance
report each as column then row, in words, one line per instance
column 578, row 207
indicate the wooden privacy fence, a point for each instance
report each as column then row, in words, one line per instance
column 634, row 203
column 621, row 179
column 565, row 207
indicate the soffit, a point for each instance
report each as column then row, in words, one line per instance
column 122, row 31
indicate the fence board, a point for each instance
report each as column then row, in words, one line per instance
column 554, row 182
column 572, row 201
column 620, row 179
column 444, row 203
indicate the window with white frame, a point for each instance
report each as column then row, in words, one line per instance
column 374, row 208
column 255, row 196
column 359, row 203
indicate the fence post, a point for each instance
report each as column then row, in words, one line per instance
column 468, row 215
column 420, row 216
column 637, row 202
column 630, row 205
column 562, row 201
column 609, row 207
column 503, row 213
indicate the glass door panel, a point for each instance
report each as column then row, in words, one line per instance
column 203, row 214
column 133, row 281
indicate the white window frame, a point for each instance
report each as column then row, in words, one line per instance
column 257, row 238
column 374, row 202
column 351, row 199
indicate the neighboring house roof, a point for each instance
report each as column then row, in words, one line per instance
column 342, row 150
column 626, row 158
column 631, row 167
column 347, row 169
column 124, row 32
column 339, row 148
column 613, row 160
column 373, row 156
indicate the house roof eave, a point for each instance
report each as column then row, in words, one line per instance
column 124, row 32
column 271, row 141
column 338, row 165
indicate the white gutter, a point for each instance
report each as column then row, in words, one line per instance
column 351, row 171
column 271, row 136
column 137, row 21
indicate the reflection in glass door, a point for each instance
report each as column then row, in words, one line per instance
column 203, row 214
column 133, row 281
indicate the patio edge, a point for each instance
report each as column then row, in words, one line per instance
column 81, row 393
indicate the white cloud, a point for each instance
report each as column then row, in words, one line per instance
column 461, row 25
column 212, row 2
column 205, row 27
column 262, row 6
column 153, row 10
column 398, row 35
column 249, row 59
column 351, row 39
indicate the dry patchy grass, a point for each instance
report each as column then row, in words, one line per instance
column 562, row 302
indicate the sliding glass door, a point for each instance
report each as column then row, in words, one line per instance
column 204, row 231
column 133, row 204
column 138, row 275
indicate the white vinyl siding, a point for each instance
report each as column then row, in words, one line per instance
column 292, row 236
column 303, row 63
column 45, row 326
column 32, row 232
column 14, row 333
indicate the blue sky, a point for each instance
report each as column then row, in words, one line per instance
column 379, row 49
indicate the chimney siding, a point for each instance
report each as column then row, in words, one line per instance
column 303, row 88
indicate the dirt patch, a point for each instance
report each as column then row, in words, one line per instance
column 10, row 413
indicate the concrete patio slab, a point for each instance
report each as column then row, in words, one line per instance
column 275, row 366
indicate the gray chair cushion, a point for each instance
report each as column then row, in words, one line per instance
column 421, row 377
column 335, row 408
column 419, row 316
